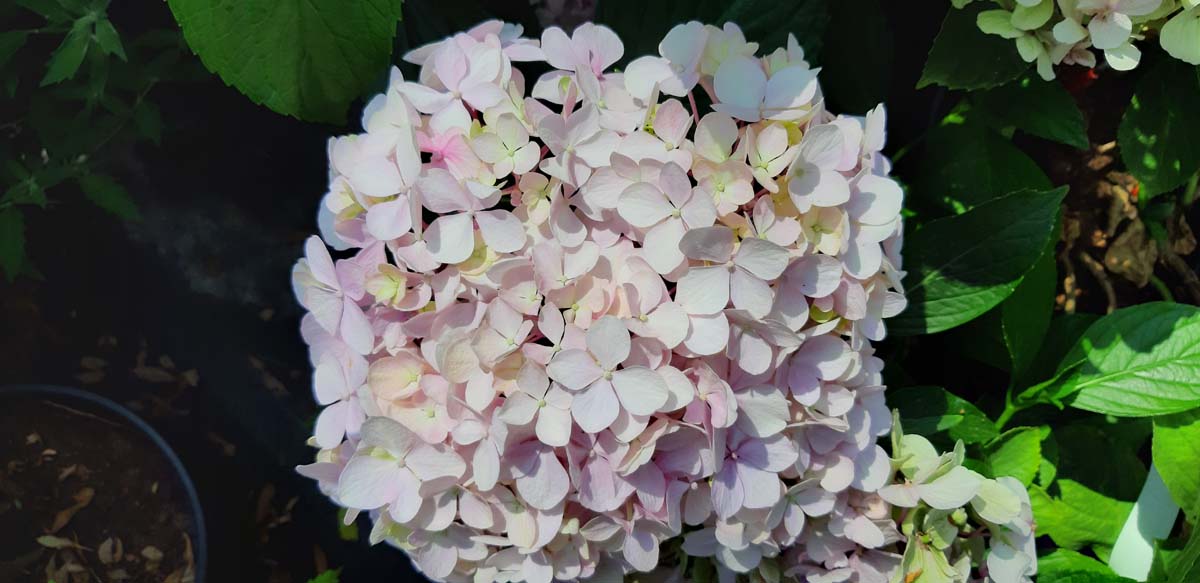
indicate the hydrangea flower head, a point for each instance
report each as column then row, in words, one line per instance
column 568, row 328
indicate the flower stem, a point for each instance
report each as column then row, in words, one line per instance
column 692, row 102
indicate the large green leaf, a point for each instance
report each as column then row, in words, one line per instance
column 12, row 242
column 1138, row 361
column 67, row 58
column 1064, row 561
column 11, row 41
column 1079, row 516
column 929, row 410
column 963, row 57
column 1025, row 316
column 109, row 195
column 1157, row 134
column 962, row 165
column 1040, row 108
column 1176, row 454
column 1122, row 474
column 1083, row 577
column 962, row 266
column 1185, row 568
column 1016, row 453
column 1061, row 336
column 306, row 58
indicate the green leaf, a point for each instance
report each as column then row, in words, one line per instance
column 12, row 242
column 1063, row 561
column 67, row 58
column 1176, row 454
column 346, row 532
column 1079, row 516
column 108, row 39
column 328, row 576
column 148, row 122
column 306, row 58
column 856, row 56
column 1061, row 336
column 968, row 164
column 928, row 410
column 1185, row 568
column 1025, row 315
column 1017, row 453
column 1083, row 577
column 11, row 41
column 107, row 194
column 1122, row 474
column 963, row 57
column 1156, row 136
column 962, row 266
column 27, row 191
column 1036, row 107
column 1138, row 361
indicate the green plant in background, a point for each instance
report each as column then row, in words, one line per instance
column 67, row 112
column 1086, row 395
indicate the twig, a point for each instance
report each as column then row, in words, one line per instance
column 1181, row 268
column 82, row 413
column 1101, row 277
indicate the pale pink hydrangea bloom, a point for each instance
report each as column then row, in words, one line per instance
column 594, row 316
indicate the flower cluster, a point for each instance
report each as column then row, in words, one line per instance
column 1054, row 32
column 951, row 513
column 571, row 329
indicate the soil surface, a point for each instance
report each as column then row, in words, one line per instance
column 84, row 496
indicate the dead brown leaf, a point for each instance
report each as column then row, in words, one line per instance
column 153, row 374
column 82, row 498
column 1133, row 254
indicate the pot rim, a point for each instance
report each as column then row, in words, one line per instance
column 200, row 546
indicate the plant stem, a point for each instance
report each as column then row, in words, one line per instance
column 1162, row 288
column 1009, row 410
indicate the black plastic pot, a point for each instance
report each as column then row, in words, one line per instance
column 92, row 404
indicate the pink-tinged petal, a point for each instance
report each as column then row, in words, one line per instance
column 839, row 474
column 762, row 411
column 429, row 462
column 326, row 307
column 751, row 352
column 863, row 259
column 697, row 505
column 661, row 246
column 451, row 238
column 567, row 227
column 355, row 329
column 762, row 258
column 331, row 425
column 475, row 512
column 551, row 323
column 713, row 244
column 643, row 205
column 762, row 488
column 486, row 465
column 537, row 568
column 640, row 390
column 601, row 490
column 442, row 193
column 546, row 484
column 728, row 494
column 872, row 469
column 320, row 264
column 701, row 543
column 408, row 501
column 608, row 340
column 518, row 409
column 789, row 90
column 574, row 369
column 704, row 290
column 829, row 355
column 425, row 99
column 651, row 486
column 715, row 136
column 559, row 50
column 708, row 334
column 501, row 230
column 554, row 426
column 680, row 390
column 329, row 383
column 390, row 435
column 641, row 550
column 1109, row 31
column 578, row 262
column 772, row 454
column 863, row 531
column 437, row 559
column 750, row 293
column 603, row 190
column 669, row 322
column 816, row 276
column 741, row 83
column 699, row 211
column 596, row 407
column 877, row 200
column 369, row 482
column 388, row 220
